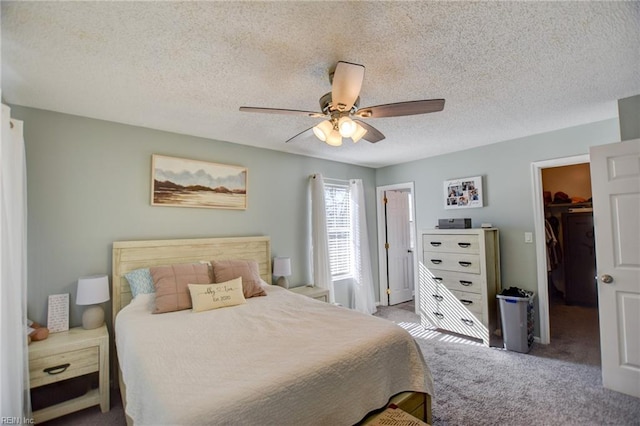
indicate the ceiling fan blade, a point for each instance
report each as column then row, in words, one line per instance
column 283, row 111
column 401, row 108
column 304, row 132
column 347, row 82
column 373, row 135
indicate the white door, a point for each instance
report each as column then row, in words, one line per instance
column 399, row 251
column 615, row 180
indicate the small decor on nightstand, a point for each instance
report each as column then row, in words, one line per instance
column 92, row 290
column 58, row 313
column 282, row 270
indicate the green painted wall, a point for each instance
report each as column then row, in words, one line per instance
column 629, row 112
column 89, row 185
column 505, row 168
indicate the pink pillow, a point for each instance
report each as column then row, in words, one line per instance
column 172, row 285
column 226, row 270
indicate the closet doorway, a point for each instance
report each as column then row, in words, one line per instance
column 570, row 242
column 396, row 243
column 565, row 249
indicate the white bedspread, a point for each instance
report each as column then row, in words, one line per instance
column 283, row 359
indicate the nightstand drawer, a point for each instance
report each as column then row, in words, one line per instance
column 62, row 366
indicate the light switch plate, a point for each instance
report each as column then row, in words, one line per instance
column 528, row 237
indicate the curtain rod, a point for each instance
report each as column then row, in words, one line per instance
column 343, row 181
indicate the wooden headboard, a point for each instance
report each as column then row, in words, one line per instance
column 131, row 255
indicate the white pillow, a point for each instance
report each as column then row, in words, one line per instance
column 205, row 297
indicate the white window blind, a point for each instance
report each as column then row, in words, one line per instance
column 338, row 205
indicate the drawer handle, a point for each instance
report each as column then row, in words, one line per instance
column 436, row 261
column 466, row 283
column 467, row 321
column 438, row 297
column 439, row 279
column 466, row 302
column 435, row 243
column 438, row 315
column 464, row 245
column 57, row 369
column 465, row 264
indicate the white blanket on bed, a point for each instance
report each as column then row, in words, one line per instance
column 283, row 359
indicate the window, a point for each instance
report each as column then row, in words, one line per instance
column 338, row 205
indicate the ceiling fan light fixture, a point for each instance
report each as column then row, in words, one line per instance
column 339, row 106
column 334, row 138
column 323, row 130
column 347, row 126
column 359, row 133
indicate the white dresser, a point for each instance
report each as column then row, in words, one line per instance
column 459, row 279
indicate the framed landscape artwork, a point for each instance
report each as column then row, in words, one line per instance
column 193, row 183
column 463, row 193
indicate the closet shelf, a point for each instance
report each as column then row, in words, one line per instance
column 565, row 205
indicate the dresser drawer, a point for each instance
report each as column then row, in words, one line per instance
column 451, row 243
column 459, row 303
column 468, row 263
column 459, row 281
column 444, row 303
column 62, row 366
column 471, row 301
column 467, row 324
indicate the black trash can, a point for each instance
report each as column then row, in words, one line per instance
column 516, row 313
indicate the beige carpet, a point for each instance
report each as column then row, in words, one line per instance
column 556, row 384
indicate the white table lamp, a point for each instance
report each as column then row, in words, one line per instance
column 282, row 270
column 92, row 290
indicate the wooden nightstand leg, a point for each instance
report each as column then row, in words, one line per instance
column 104, row 377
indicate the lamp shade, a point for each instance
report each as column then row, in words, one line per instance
column 282, row 266
column 92, row 290
column 322, row 130
column 334, row 138
column 359, row 133
column 347, row 127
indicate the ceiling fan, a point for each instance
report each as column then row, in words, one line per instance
column 342, row 113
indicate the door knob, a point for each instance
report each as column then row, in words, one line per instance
column 607, row 279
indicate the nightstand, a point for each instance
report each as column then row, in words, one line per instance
column 317, row 293
column 66, row 355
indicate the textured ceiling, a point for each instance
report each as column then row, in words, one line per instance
column 506, row 69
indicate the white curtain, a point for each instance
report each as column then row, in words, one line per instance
column 362, row 276
column 14, row 367
column 319, row 237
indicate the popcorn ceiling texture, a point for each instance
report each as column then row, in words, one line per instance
column 506, row 69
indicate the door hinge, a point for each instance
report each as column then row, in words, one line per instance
column 385, row 200
column 389, row 291
column 386, row 245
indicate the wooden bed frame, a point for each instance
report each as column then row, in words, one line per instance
column 131, row 255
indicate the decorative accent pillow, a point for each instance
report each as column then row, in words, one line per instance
column 171, row 284
column 140, row 281
column 226, row 270
column 214, row 296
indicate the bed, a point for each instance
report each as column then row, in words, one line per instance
column 280, row 359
